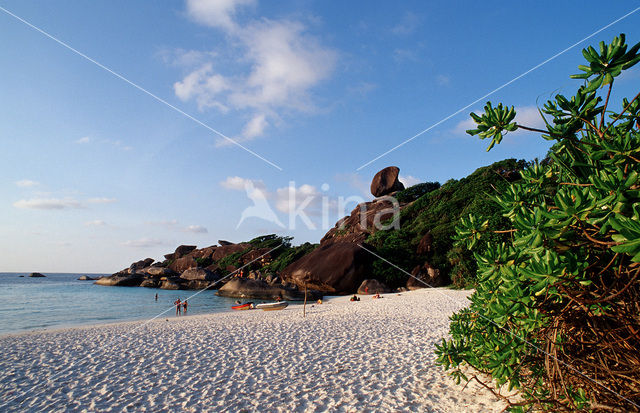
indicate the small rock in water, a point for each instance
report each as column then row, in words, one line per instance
column 36, row 275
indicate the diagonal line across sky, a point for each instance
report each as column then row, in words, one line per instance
column 441, row 121
column 140, row 88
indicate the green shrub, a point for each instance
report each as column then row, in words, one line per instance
column 438, row 212
column 555, row 312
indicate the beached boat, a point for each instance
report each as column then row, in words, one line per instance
column 245, row 306
column 278, row 305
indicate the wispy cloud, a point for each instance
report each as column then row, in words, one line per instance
column 238, row 183
column 47, row 203
column 407, row 25
column 27, row 183
column 283, row 64
column 443, row 80
column 196, row 229
column 409, row 180
column 143, row 243
column 101, row 200
column 113, row 142
column 95, row 223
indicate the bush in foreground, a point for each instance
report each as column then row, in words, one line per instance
column 556, row 311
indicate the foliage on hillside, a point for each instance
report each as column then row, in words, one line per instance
column 556, row 310
column 437, row 211
column 281, row 253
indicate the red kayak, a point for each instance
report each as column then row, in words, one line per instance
column 245, row 306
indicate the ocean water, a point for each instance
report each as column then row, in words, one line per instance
column 59, row 300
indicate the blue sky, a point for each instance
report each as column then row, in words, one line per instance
column 96, row 174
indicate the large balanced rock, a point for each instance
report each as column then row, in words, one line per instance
column 336, row 268
column 260, row 290
column 200, row 274
column 36, row 275
column 386, row 181
column 372, row 286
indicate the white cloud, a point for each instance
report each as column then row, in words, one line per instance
column 216, row 13
column 101, row 200
column 26, row 183
column 82, row 140
column 284, row 63
column 357, row 182
column 288, row 199
column 47, row 203
column 95, row 223
column 409, row 180
column 238, row 183
column 143, row 243
column 255, row 127
column 197, row 229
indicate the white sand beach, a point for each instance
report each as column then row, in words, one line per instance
column 372, row 355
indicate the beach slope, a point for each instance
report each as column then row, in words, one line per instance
column 371, row 355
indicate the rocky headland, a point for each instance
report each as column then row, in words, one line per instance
column 268, row 267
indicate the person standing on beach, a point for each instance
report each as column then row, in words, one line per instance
column 184, row 307
column 178, row 306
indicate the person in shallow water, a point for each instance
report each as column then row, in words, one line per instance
column 178, row 304
column 184, row 307
column 156, row 296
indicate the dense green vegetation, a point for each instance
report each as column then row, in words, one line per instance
column 555, row 313
column 437, row 210
column 281, row 253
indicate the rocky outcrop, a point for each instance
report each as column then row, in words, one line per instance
column 150, row 283
column 86, row 278
column 372, row 286
column 173, row 283
column 36, row 275
column 260, row 290
column 424, row 276
column 364, row 220
column 199, row 274
column 335, row 268
column 386, row 182
column 182, row 264
column 160, row 272
column 120, row 281
column 226, row 250
column 183, row 250
column 224, row 243
column 425, row 244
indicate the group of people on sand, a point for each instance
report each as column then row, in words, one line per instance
column 181, row 306
column 356, row 298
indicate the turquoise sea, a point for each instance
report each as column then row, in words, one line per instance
column 59, row 300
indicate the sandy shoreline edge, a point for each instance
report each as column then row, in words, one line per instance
column 370, row 355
